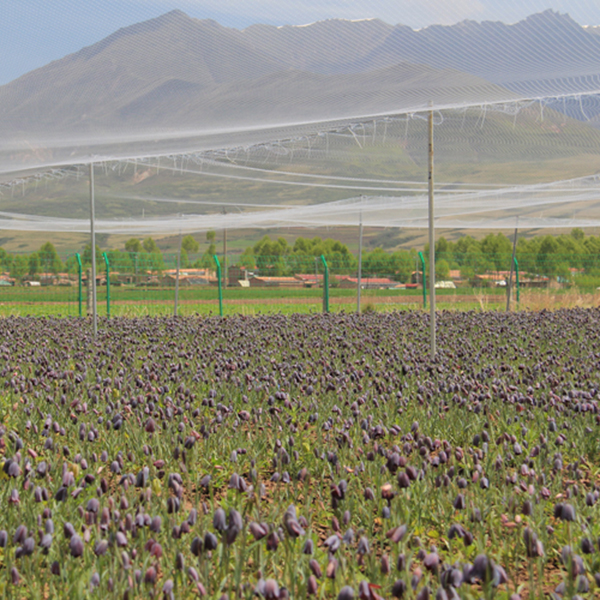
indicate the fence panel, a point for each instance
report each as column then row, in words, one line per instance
column 38, row 285
column 136, row 284
column 133, row 284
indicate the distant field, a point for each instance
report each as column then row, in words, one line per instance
column 160, row 301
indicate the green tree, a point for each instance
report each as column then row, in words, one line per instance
column 269, row 256
column 497, row 250
column 49, row 259
column 592, row 249
column 152, row 258
column 442, row 269
column 278, row 267
column 4, row 260
column 301, row 246
column 207, row 261
column 18, row 267
column 443, row 249
column 133, row 245
column 527, row 250
column 547, row 257
column 403, row 262
column 71, row 265
column 577, row 234
column 184, row 260
column 247, row 259
column 267, row 247
column 86, row 257
column 150, row 246
column 377, row 263
column 211, row 236
column 190, row 245
column 121, row 262
column 33, row 267
column 316, row 246
column 469, row 257
column 340, row 259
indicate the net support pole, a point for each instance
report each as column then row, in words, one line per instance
column 220, row 284
column 176, row 309
column 79, row 278
column 431, row 238
column 93, row 242
column 359, row 278
column 512, row 266
column 107, row 266
column 423, row 278
column 325, row 284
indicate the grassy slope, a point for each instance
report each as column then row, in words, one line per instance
column 473, row 147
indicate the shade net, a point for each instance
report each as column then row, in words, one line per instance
column 194, row 126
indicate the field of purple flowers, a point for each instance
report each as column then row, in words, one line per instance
column 320, row 456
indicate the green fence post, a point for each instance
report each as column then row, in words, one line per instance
column 518, row 284
column 79, row 276
column 107, row 284
column 325, row 285
column 220, row 284
column 424, row 280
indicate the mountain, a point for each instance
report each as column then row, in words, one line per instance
column 176, row 84
column 157, row 59
column 175, row 71
column 325, row 47
column 531, row 56
column 546, row 53
column 275, row 97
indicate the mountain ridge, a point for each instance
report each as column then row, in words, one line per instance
column 176, row 73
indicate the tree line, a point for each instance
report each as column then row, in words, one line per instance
column 549, row 255
column 557, row 256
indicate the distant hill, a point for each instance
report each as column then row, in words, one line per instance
column 175, row 71
column 150, row 61
column 476, row 148
column 529, row 56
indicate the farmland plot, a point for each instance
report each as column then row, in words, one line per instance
column 311, row 455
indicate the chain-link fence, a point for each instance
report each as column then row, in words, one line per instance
column 135, row 284
column 40, row 284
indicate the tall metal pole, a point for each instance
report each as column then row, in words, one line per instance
column 431, row 238
column 93, row 240
column 79, row 274
column 359, row 279
column 219, row 281
column 177, row 276
column 512, row 266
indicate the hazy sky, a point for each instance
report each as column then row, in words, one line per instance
column 35, row 32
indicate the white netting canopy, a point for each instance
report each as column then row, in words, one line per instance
column 193, row 125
